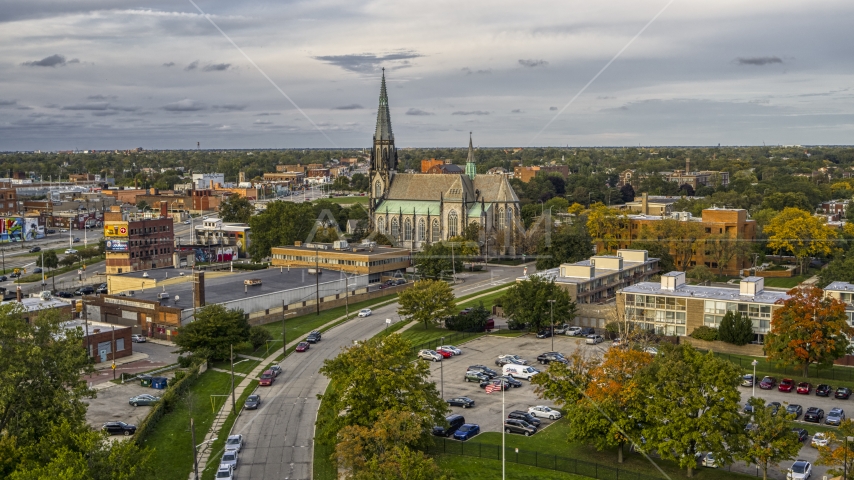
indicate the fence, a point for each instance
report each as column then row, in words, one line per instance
column 837, row 373
column 535, row 459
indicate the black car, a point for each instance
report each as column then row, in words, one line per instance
column 795, row 409
column 774, row 406
column 102, row 288
column 313, row 337
column 35, row 249
column 544, row 333
column 454, row 422
column 497, row 383
column 549, row 357
column 64, row 294
column 843, row 393
column 512, row 381
column 51, row 231
column 119, row 428
column 801, row 433
column 3, row 278
column 484, row 370
column 522, row 415
column 37, row 270
column 85, row 291
column 814, row 415
column 586, row 331
column 252, row 402
column 519, row 426
column 464, row 402
column 823, row 390
column 14, row 275
column 748, row 408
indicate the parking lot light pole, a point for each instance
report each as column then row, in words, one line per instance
column 442, row 371
column 754, row 363
column 552, row 310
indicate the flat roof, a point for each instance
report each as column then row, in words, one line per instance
column 840, row 286
column 705, row 293
column 34, row 304
column 598, row 272
column 362, row 250
column 79, row 322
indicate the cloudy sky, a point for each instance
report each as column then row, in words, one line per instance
column 106, row 74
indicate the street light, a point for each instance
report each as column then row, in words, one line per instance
column 754, row 363
column 552, row 313
column 442, row 371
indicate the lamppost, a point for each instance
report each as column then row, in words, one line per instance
column 552, row 314
column 754, row 363
column 442, row 372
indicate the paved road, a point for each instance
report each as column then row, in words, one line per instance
column 280, row 434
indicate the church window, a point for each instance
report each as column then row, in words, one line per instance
column 381, row 225
column 501, row 218
column 436, row 237
column 452, row 224
column 395, row 229
column 407, row 229
column 378, row 189
column 422, row 230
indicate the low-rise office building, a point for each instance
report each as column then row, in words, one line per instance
column 223, row 241
column 105, row 342
column 364, row 259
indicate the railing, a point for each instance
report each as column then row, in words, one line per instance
column 535, row 459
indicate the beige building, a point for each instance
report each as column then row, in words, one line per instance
column 375, row 261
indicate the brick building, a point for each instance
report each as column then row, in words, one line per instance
column 426, row 165
column 525, row 174
column 105, row 342
column 135, row 243
column 8, row 199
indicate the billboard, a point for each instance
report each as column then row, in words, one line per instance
column 119, row 229
column 113, row 245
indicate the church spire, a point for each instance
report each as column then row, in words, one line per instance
column 383, row 116
column 471, row 169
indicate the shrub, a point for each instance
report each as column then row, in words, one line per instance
column 258, row 336
column 703, row 332
column 184, row 361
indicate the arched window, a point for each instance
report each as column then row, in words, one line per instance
column 407, row 229
column 395, row 229
column 422, row 230
column 452, row 224
column 378, row 189
column 501, row 217
column 381, row 225
column 436, row 237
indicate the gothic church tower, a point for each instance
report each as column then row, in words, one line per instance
column 383, row 153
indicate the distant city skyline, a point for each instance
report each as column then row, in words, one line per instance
column 99, row 74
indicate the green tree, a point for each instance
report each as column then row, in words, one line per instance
column 472, row 232
column 838, row 453
column 377, row 376
column 736, row 328
column 569, row 243
column 840, row 269
column 258, row 336
column 50, row 261
column 427, row 301
column 236, row 209
column 701, row 274
column 360, row 182
column 473, row 321
column 772, row 440
column 213, row 332
column 688, row 403
column 69, row 260
column 656, row 250
column 809, row 328
column 437, row 260
column 528, row 302
column 282, row 223
column 142, row 205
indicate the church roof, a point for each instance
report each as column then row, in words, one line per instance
column 425, row 187
column 383, row 116
column 495, row 188
column 408, row 207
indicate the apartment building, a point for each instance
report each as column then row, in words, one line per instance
column 134, row 242
column 8, row 199
column 525, row 174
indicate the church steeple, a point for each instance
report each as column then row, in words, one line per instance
column 383, row 117
column 471, row 169
column 383, row 155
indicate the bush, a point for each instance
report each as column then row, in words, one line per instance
column 514, row 325
column 185, row 361
column 179, row 374
column 258, row 336
column 613, row 328
column 473, row 321
column 250, row 266
column 703, row 332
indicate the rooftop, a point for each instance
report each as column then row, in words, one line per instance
column 79, row 322
column 838, row 286
column 708, row 293
column 362, row 249
column 35, row 304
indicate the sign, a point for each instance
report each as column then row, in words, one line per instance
column 116, row 229
column 128, row 303
column 113, row 245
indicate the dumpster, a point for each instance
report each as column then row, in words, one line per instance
column 145, row 381
column 158, row 383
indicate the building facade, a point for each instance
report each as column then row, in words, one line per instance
column 134, row 243
column 368, row 259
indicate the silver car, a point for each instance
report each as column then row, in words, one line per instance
column 234, row 443
column 431, row 355
column 835, row 416
column 229, row 458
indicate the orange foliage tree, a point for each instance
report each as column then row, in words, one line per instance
column 809, row 328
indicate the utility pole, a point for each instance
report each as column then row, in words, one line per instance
column 195, row 453
column 346, row 298
column 552, row 313
column 231, row 355
column 316, row 280
column 113, row 348
column 284, row 332
column 86, row 322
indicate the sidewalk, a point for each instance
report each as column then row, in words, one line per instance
column 121, row 361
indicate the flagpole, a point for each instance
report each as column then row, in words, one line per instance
column 503, row 432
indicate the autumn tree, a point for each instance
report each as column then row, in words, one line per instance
column 427, row 301
column 682, row 239
column 838, row 453
column 808, row 328
column 527, row 302
column 796, row 231
column 772, row 441
column 607, row 226
column 565, row 383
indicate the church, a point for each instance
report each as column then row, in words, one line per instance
column 414, row 210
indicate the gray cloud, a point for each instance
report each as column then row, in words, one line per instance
column 530, row 63
column 758, row 61
column 416, row 111
column 480, row 72
column 552, row 109
column 352, row 106
column 516, row 111
column 231, row 107
column 217, row 67
column 368, row 62
column 262, row 122
column 264, row 114
column 192, row 66
column 104, row 113
column 101, row 97
column 472, row 112
column 169, row 64
column 74, row 60
column 185, row 105
column 87, row 106
column 8, row 103
column 56, row 60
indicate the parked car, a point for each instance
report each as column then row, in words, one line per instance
column 510, row 359
column 774, row 406
column 454, row 422
column 267, row 379
column 484, row 370
column 795, row 409
column 804, row 388
column 561, row 329
column 748, row 380
column 64, row 294
column 835, row 416
column 522, row 415
column 748, row 409
column 50, row 231
column 768, row 383
column 800, row 470
column 820, row 439
column 451, row 348
column 823, row 390
column 464, row 402
column 498, row 382
column 549, row 357
column 144, row 399
column 102, row 288
column 84, row 291
column 544, row 412
column 302, row 347
column 252, row 402
column 275, row 369
column 814, row 415
column 234, row 443
column 467, row 431
column 365, row 312
column 229, row 458
column 843, row 392
column 512, row 381
column 444, row 353
column 585, row 331
column 786, row 385
column 473, row 376
column 594, row 339
column 519, row 426
column 225, row 472
column 70, row 251
column 313, row 337
column 119, row 428
column 544, row 333
column 136, row 338
column 573, row 331
column 802, row 434
column 708, row 460
column 431, row 355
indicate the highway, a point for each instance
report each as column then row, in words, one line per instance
column 280, row 434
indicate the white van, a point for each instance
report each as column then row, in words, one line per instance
column 519, row 371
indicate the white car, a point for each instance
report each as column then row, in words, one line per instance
column 432, row 355
column 137, row 338
column 514, row 359
column 819, row 440
column 594, row 339
column 709, row 460
column 225, row 472
column 70, row 251
column 545, row 412
column 573, row 331
column 800, row 470
column 229, row 458
column 186, row 222
column 451, row 348
column 234, row 443
column 365, row 312
column 63, row 230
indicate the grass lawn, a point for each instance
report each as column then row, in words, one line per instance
column 791, row 281
column 813, row 428
column 171, row 442
column 837, row 375
column 241, row 365
column 470, row 468
column 218, row 444
column 324, row 467
column 488, row 300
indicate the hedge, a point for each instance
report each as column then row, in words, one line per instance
column 167, row 403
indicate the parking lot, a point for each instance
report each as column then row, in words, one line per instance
column 111, row 404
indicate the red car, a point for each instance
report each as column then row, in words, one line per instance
column 302, row 346
column 768, row 383
column 445, row 353
column 804, row 388
column 786, row 385
column 267, row 378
